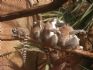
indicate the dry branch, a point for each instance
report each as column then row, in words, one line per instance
column 77, row 52
column 82, row 53
column 32, row 11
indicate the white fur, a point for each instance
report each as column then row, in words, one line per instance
column 73, row 41
column 54, row 22
column 61, row 21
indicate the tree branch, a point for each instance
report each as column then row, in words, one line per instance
column 77, row 52
column 32, row 11
column 82, row 53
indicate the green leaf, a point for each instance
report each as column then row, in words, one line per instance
column 84, row 20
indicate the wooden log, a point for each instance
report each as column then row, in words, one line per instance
column 81, row 53
column 32, row 11
column 77, row 52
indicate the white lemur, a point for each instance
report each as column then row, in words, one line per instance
column 48, row 35
column 67, row 38
column 52, row 36
column 20, row 33
column 36, row 31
